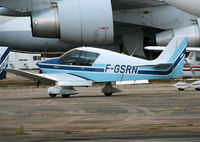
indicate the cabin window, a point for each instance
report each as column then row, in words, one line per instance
column 37, row 58
column 79, row 58
column 197, row 56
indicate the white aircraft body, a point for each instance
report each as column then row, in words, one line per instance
column 84, row 66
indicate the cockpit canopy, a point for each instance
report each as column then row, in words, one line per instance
column 78, row 58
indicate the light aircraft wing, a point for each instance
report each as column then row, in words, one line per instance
column 161, row 48
column 62, row 79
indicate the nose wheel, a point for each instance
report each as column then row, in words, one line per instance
column 108, row 90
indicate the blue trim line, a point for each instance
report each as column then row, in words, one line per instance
column 56, row 67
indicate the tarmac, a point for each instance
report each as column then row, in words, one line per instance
column 150, row 112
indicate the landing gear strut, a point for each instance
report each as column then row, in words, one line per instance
column 108, row 90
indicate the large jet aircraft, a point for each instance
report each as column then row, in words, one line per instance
column 126, row 25
column 15, row 33
column 83, row 66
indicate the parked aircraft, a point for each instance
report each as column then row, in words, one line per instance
column 127, row 26
column 191, row 69
column 83, row 66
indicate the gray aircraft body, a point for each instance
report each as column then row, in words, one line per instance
column 191, row 6
column 123, row 26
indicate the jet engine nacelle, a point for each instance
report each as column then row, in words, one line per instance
column 191, row 31
column 76, row 21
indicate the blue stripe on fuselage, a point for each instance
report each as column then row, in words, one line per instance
column 70, row 68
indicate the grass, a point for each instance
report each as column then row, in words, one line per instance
column 168, row 126
column 189, row 124
column 20, row 131
column 68, row 132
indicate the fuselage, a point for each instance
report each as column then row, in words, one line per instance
column 106, row 66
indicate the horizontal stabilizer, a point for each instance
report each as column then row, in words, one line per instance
column 161, row 48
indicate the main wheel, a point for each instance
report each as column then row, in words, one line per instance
column 65, row 96
column 181, row 89
column 197, row 89
column 53, row 95
column 108, row 94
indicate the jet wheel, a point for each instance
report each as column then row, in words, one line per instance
column 108, row 94
column 181, row 89
column 197, row 89
column 65, row 96
column 53, row 95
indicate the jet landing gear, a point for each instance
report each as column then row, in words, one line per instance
column 65, row 92
column 108, row 90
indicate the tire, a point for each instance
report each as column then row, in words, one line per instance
column 197, row 89
column 65, row 96
column 53, row 95
column 181, row 89
column 108, row 94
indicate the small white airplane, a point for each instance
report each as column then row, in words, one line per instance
column 84, row 66
column 191, row 67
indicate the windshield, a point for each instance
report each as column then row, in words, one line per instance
column 79, row 58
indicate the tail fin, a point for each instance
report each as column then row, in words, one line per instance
column 178, row 58
column 4, row 54
column 168, row 54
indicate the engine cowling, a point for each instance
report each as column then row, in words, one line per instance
column 76, row 21
column 191, row 31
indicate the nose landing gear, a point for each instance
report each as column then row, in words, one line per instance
column 108, row 90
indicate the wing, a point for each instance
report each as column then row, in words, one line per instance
column 62, row 79
column 161, row 48
column 133, row 4
column 33, row 5
column 26, row 5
